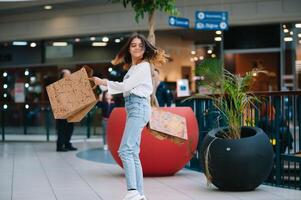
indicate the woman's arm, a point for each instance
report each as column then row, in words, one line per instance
column 131, row 82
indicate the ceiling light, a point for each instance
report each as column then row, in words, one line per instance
column 117, row 40
column 193, row 52
column 201, row 57
column 26, row 85
column 283, row 26
column 298, row 25
column 5, row 86
column 288, row 39
column 19, row 43
column 291, row 33
column 299, row 35
column 213, row 55
column 59, row 44
column 4, row 74
column 77, row 39
column 218, row 39
column 92, row 38
column 26, row 73
column 110, row 69
column 285, row 30
column 33, row 44
column 209, row 51
column 5, row 106
column 48, row 7
column 105, row 39
column 99, row 44
column 218, row 32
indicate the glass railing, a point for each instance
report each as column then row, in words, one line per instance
column 279, row 115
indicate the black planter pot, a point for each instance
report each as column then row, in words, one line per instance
column 238, row 165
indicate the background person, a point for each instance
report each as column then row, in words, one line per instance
column 106, row 104
column 64, row 128
column 163, row 93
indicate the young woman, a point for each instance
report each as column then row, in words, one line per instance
column 137, row 55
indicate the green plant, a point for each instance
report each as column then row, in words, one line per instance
column 229, row 93
column 141, row 7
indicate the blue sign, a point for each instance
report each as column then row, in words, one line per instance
column 211, row 25
column 211, row 20
column 211, row 15
column 177, row 21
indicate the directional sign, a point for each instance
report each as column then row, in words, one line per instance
column 211, row 20
column 177, row 21
column 211, row 25
column 211, row 15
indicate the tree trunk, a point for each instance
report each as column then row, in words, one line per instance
column 151, row 28
column 151, row 38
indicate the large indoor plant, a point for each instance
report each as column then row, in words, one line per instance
column 234, row 157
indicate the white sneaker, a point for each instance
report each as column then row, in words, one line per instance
column 132, row 195
column 143, row 197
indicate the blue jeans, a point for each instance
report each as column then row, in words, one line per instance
column 138, row 114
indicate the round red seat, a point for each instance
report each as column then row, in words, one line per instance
column 158, row 157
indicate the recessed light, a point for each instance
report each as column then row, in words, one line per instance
column 59, row 44
column 218, row 39
column 77, row 39
column 19, row 43
column 117, row 40
column 33, row 44
column 288, row 39
column 47, row 7
column 92, row 38
column 105, row 39
column 99, row 44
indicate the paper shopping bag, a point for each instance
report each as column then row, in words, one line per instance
column 164, row 124
column 72, row 95
column 78, row 116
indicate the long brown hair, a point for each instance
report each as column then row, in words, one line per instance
column 152, row 54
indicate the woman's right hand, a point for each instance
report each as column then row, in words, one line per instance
column 96, row 80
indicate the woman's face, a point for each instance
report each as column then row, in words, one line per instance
column 137, row 48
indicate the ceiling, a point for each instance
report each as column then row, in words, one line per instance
column 8, row 7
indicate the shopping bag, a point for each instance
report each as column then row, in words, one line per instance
column 78, row 116
column 73, row 96
column 167, row 125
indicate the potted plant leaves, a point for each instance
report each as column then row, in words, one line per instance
column 234, row 157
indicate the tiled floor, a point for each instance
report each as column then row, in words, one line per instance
column 34, row 171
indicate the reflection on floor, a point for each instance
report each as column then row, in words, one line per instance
column 97, row 155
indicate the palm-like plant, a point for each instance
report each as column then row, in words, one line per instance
column 142, row 7
column 229, row 93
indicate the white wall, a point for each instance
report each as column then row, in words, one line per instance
column 114, row 18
